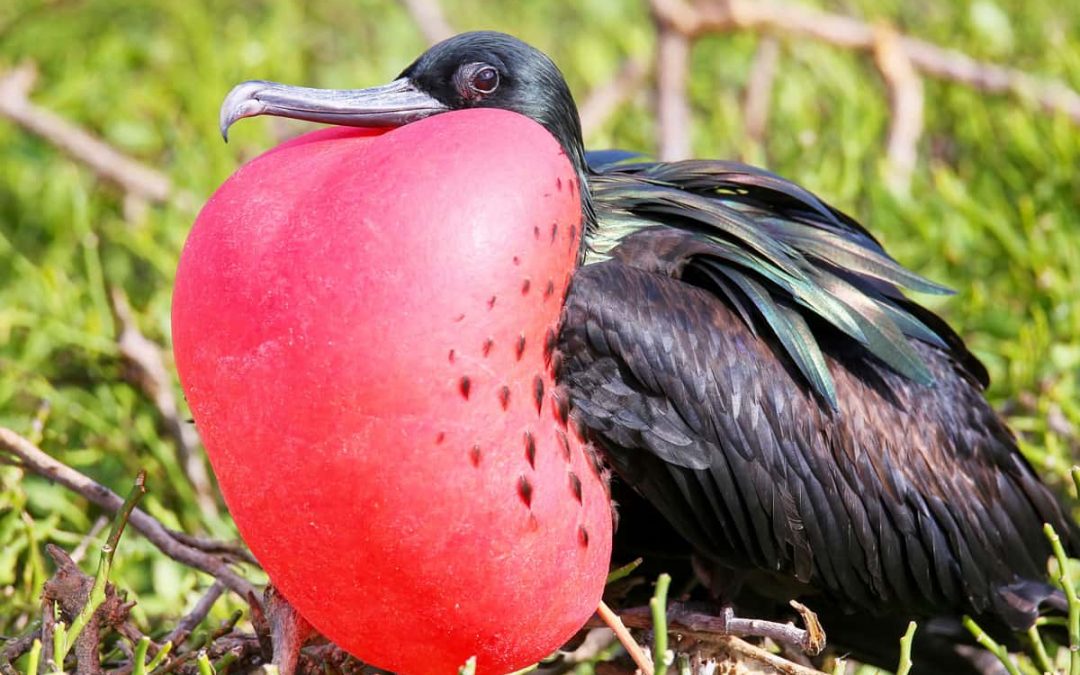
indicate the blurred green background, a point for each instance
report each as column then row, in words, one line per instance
column 993, row 211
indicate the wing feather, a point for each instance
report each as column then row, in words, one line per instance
column 903, row 496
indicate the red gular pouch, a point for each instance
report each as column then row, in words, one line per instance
column 363, row 324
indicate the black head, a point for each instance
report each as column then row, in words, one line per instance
column 494, row 70
column 471, row 70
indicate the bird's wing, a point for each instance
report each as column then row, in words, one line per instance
column 786, row 261
column 901, row 495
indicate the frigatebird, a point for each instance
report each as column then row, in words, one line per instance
column 744, row 357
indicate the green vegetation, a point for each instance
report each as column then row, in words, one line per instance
column 994, row 210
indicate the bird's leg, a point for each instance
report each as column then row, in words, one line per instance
column 288, row 630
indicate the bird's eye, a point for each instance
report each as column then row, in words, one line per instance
column 477, row 80
column 485, row 80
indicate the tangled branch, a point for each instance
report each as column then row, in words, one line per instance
column 32, row 458
column 900, row 59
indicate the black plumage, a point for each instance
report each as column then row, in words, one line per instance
column 908, row 497
column 745, row 357
column 886, row 481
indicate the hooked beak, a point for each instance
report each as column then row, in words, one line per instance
column 391, row 105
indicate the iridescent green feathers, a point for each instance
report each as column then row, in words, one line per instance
column 776, row 253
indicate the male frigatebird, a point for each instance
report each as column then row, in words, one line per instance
column 743, row 356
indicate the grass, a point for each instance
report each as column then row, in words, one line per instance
column 993, row 210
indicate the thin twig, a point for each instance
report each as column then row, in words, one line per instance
column 602, row 102
column 17, row 646
column 84, row 544
column 230, row 550
column 146, row 370
column 744, row 649
column 708, row 628
column 104, row 160
column 429, row 18
column 36, row 460
column 612, row 621
column 199, row 612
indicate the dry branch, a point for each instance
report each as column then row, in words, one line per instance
column 133, row 177
column 199, row 612
column 616, row 625
column 88, row 538
column 33, row 458
column 233, row 551
column 795, row 20
column 720, row 637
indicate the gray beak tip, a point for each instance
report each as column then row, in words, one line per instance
column 243, row 101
